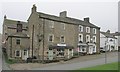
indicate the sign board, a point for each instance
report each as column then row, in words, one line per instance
column 61, row 44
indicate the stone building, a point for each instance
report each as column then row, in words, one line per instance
column 50, row 37
column 15, row 39
column 53, row 36
column 9, row 27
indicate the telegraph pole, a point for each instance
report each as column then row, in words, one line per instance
column 106, row 50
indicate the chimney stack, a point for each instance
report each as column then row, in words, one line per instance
column 86, row 19
column 5, row 17
column 34, row 8
column 63, row 14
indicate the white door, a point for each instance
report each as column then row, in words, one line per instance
column 25, row 55
column 50, row 55
column 90, row 49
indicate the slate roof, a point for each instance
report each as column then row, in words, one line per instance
column 12, row 23
column 109, row 35
column 66, row 20
column 19, row 34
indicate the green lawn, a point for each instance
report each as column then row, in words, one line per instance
column 9, row 61
column 109, row 66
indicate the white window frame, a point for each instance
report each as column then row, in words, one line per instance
column 52, row 37
column 95, row 48
column 63, row 25
column 81, row 28
column 61, row 40
column 93, row 38
column 88, row 29
column 88, row 38
column 51, row 24
column 19, row 53
column 81, row 37
column 94, row 30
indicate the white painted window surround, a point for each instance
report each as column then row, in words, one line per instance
column 80, row 37
column 94, row 30
column 87, row 29
column 80, row 28
column 94, row 48
column 87, row 38
column 94, row 38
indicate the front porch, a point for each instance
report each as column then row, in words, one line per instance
column 86, row 48
column 60, row 52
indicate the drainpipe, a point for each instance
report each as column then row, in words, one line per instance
column 32, row 40
column 43, row 40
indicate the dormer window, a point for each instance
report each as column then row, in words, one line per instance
column 87, row 29
column 80, row 28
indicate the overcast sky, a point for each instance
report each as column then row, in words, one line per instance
column 103, row 14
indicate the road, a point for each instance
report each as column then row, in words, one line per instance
column 83, row 64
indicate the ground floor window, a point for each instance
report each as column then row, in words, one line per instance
column 61, row 53
column 94, row 48
column 70, row 49
column 17, row 53
column 83, row 49
column 25, row 52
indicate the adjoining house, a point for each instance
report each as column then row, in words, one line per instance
column 49, row 37
column 108, row 41
column 61, row 33
column 9, row 27
column 17, row 44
